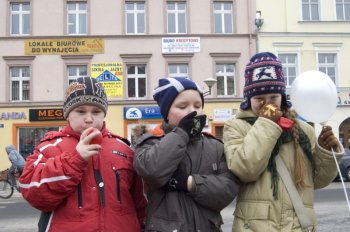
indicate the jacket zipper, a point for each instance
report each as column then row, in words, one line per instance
column 117, row 178
column 80, row 197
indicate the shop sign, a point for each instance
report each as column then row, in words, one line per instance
column 12, row 115
column 181, row 44
column 66, row 46
column 36, row 115
column 142, row 112
column 221, row 115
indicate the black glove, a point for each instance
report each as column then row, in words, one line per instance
column 192, row 124
column 178, row 182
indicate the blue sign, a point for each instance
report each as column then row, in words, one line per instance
column 107, row 76
column 142, row 112
column 1, row 125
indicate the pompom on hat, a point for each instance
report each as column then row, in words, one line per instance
column 169, row 88
column 84, row 91
column 264, row 75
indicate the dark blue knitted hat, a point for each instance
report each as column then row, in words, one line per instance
column 263, row 75
column 169, row 88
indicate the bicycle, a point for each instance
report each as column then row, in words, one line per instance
column 6, row 188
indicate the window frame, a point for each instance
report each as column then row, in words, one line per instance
column 176, row 12
column 225, row 76
column 77, row 72
column 183, row 58
column 223, row 12
column 226, row 58
column 328, row 65
column 136, row 77
column 135, row 59
column 74, row 60
column 309, row 4
column 77, row 26
column 288, row 65
column 178, row 73
column 18, row 61
column 20, row 79
column 135, row 13
column 344, row 5
column 10, row 32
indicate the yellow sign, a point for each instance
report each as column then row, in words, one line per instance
column 111, row 77
column 64, row 46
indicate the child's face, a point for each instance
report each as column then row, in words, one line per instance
column 258, row 101
column 85, row 116
column 186, row 102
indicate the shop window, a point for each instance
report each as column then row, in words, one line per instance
column 217, row 129
column 29, row 137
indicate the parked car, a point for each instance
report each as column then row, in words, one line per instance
column 344, row 165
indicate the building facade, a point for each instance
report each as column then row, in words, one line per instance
column 311, row 35
column 128, row 45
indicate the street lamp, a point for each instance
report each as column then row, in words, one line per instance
column 258, row 23
column 210, row 82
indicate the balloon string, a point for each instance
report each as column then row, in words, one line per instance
column 341, row 178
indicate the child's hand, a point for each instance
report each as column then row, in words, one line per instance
column 84, row 148
column 327, row 140
column 192, row 124
column 271, row 112
column 178, row 182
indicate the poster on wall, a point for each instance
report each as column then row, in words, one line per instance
column 181, row 44
column 110, row 75
column 64, row 46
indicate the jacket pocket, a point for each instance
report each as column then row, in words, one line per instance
column 252, row 216
column 162, row 224
column 123, row 173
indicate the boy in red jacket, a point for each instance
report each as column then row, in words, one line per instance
column 87, row 183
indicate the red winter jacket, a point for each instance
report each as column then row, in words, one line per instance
column 103, row 194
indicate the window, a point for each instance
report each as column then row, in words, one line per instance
column 310, row 10
column 135, row 18
column 290, row 67
column 20, row 18
column 343, row 9
column 136, row 75
column 20, row 83
column 176, row 17
column 29, row 138
column 217, row 130
column 75, row 71
column 225, row 79
column 223, row 17
column 327, row 64
column 178, row 70
column 76, row 18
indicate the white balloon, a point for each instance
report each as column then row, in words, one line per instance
column 314, row 96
